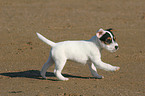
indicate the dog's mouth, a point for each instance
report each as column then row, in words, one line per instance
column 114, row 50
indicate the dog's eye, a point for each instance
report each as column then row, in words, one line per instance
column 108, row 40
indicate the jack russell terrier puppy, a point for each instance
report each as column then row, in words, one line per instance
column 82, row 52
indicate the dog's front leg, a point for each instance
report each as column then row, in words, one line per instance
column 94, row 71
column 101, row 65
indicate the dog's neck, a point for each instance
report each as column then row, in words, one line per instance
column 97, row 42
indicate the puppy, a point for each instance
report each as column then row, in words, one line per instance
column 82, row 52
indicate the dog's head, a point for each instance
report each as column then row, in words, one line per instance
column 107, row 39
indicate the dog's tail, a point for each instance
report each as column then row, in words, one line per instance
column 45, row 40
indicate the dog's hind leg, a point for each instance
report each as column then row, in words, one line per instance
column 59, row 64
column 94, row 71
column 49, row 63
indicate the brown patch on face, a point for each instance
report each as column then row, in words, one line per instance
column 108, row 41
column 109, row 38
column 100, row 33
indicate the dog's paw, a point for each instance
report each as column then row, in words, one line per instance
column 63, row 79
column 66, row 79
column 99, row 77
column 43, row 76
column 116, row 68
column 96, row 75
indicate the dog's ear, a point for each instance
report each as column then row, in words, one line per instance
column 100, row 33
column 110, row 29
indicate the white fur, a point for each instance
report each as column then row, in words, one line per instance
column 80, row 51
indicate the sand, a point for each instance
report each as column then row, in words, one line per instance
column 22, row 54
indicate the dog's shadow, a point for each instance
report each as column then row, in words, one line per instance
column 35, row 74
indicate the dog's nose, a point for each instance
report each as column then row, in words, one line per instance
column 116, row 47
